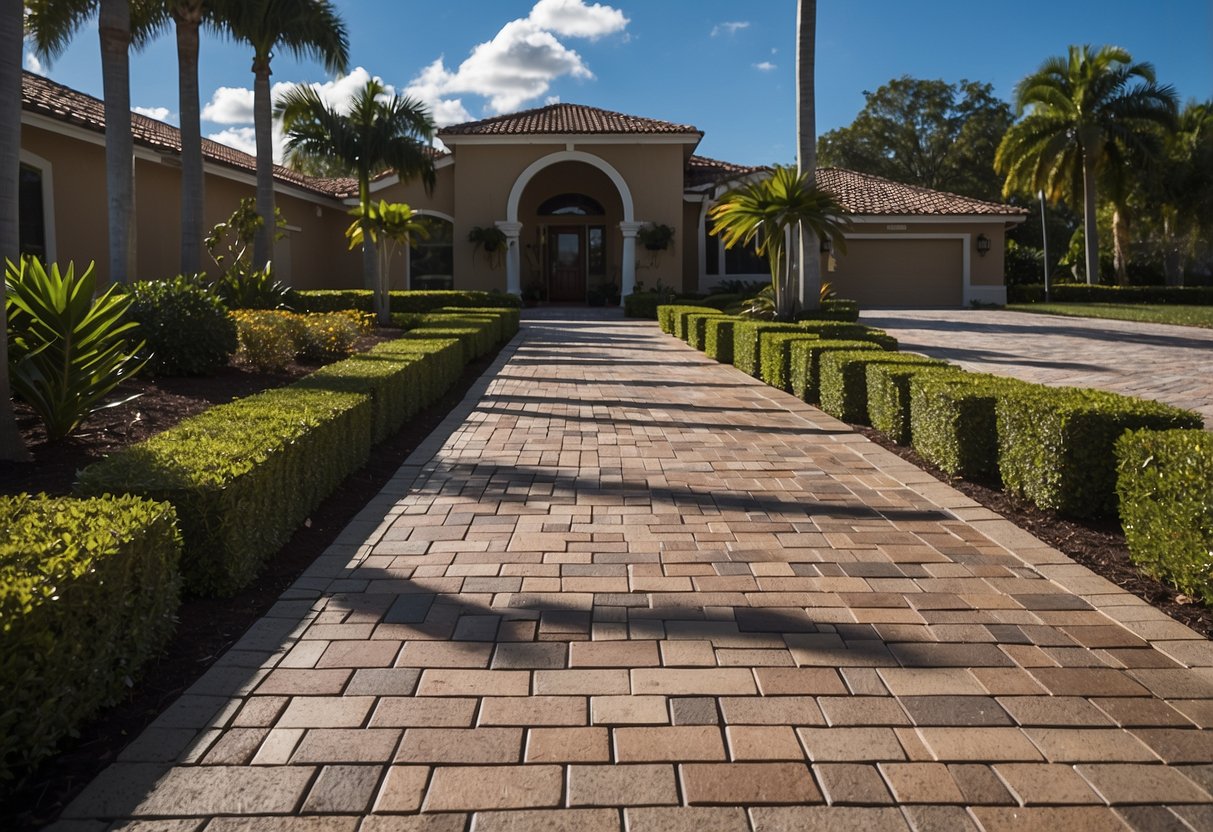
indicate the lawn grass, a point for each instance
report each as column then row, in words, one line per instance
column 1200, row 316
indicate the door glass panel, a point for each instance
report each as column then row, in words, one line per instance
column 596, row 243
column 568, row 250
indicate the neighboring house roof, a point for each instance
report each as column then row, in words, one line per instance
column 865, row 193
column 702, row 171
column 566, row 119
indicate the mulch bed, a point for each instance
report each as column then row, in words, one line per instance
column 208, row 626
column 1100, row 547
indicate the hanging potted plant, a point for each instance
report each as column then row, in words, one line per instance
column 492, row 241
column 655, row 236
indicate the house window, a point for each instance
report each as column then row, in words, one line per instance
column 32, row 213
column 571, row 205
column 432, row 260
column 711, row 254
column 742, row 260
column 596, row 251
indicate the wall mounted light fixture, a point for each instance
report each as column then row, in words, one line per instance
column 983, row 244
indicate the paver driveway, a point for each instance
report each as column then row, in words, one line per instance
column 627, row 585
column 1172, row 364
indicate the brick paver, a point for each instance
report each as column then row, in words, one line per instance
column 1172, row 364
column 624, row 587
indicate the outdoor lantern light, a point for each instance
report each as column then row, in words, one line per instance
column 983, row 244
column 827, row 245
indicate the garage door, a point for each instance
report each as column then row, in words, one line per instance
column 900, row 272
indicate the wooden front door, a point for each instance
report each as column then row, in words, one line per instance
column 566, row 264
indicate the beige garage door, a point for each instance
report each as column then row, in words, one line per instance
column 903, row 272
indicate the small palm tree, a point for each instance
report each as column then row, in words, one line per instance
column 767, row 213
column 1086, row 112
column 380, row 132
column 307, row 29
column 11, row 36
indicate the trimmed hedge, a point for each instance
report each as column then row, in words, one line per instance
column 747, row 348
column 88, row 593
column 682, row 321
column 643, row 305
column 836, row 309
column 718, row 338
column 667, row 314
column 841, row 331
column 889, row 397
column 804, row 364
column 1165, row 487
column 474, row 335
column 332, row 300
column 442, row 359
column 397, row 385
column 695, row 326
column 1056, row 446
column 776, row 361
column 844, row 383
column 511, row 319
column 1082, row 293
column 953, row 421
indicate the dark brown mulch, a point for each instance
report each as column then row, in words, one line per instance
column 209, row 626
column 1100, row 547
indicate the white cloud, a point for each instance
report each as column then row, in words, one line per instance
column 573, row 18
column 230, row 105
column 158, row 113
column 765, row 66
column 32, row 64
column 729, row 27
column 550, row 100
column 241, row 138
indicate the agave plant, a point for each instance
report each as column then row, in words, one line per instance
column 68, row 350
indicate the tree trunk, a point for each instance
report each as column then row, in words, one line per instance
column 809, row 262
column 1089, row 229
column 1120, row 244
column 11, row 41
column 263, row 126
column 189, row 17
column 115, row 35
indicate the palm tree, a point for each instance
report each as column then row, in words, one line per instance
column 380, row 132
column 1183, row 190
column 806, row 143
column 1087, row 111
column 121, row 24
column 766, row 214
column 307, row 29
column 11, row 44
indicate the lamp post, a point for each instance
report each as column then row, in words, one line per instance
column 1044, row 233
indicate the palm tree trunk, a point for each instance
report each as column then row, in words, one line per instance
column 1120, row 244
column 809, row 281
column 263, row 126
column 11, row 39
column 115, row 34
column 1090, row 231
column 188, row 17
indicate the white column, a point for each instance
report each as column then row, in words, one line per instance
column 629, row 230
column 513, row 256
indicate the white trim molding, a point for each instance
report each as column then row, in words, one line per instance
column 970, row 293
column 560, row 140
column 524, row 179
column 46, row 169
column 935, row 219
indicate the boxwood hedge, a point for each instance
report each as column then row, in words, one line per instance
column 331, row 300
column 718, row 338
column 889, row 397
column 667, row 314
column 844, row 382
column 804, row 364
column 1056, row 447
column 695, row 326
column 682, row 321
column 840, row 331
column 776, row 361
column 88, row 593
column 510, row 317
column 953, row 421
column 1165, row 487
column 747, row 349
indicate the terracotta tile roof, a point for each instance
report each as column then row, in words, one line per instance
column 702, row 171
column 565, row 119
column 864, row 193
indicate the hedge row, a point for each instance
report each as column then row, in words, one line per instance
column 244, row 476
column 88, row 592
column 718, row 338
column 696, row 326
column 844, row 380
column 747, row 348
column 331, row 300
column 1082, row 293
column 804, row 364
column 954, row 422
column 889, row 396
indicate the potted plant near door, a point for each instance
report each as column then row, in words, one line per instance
column 492, row 241
column 655, row 236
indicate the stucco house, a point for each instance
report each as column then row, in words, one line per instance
column 570, row 187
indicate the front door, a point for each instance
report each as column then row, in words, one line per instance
column 566, row 266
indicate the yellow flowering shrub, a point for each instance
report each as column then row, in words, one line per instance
column 271, row 339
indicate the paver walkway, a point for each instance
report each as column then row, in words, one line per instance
column 1172, row 364
column 626, row 587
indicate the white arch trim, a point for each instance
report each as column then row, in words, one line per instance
column 524, row 179
column 426, row 212
column 48, row 200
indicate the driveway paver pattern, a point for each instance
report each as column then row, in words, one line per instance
column 1172, row 364
column 624, row 587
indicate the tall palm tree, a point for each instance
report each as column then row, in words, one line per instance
column 307, row 29
column 1086, row 111
column 767, row 214
column 806, row 144
column 380, row 132
column 11, row 44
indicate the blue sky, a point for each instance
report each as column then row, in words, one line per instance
column 726, row 67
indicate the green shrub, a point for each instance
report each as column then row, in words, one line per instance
column 1165, row 487
column 842, row 331
column 747, row 348
column 441, row 359
column 723, row 302
column 88, row 593
column 243, row 475
column 1056, row 447
column 682, row 321
column 718, row 338
column 68, row 349
column 643, row 305
column 953, row 421
column 510, row 317
column 475, row 336
column 844, row 382
column 668, row 315
column 889, row 397
column 331, row 300
column 267, row 338
column 324, row 336
column 247, row 288
column 397, row 384
column 186, row 328
column 804, row 363
column 1084, row 293
column 777, row 355
column 695, row 323
column 834, row 309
